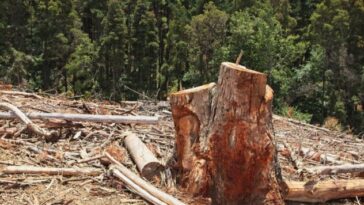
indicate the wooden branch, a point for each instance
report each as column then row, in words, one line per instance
column 238, row 59
column 323, row 158
column 87, row 117
column 148, row 165
column 7, row 92
column 323, row 191
column 138, row 93
column 296, row 122
column 50, row 171
column 293, row 157
column 9, row 130
column 16, row 113
column 134, row 187
column 346, row 168
column 162, row 196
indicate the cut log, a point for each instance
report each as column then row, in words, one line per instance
column 50, row 171
column 224, row 141
column 157, row 193
column 346, row 168
column 148, row 165
column 87, row 117
column 323, row 191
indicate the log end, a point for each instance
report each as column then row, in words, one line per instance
column 241, row 68
column 152, row 170
column 184, row 97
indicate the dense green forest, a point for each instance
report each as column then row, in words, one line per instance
column 312, row 50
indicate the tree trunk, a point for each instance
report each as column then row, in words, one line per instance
column 225, row 148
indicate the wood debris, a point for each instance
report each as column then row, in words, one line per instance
column 81, row 145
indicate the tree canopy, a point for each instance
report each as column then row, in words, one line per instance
column 312, row 51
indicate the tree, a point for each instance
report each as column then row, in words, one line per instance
column 259, row 34
column 80, row 72
column 113, row 48
column 52, row 22
column 332, row 27
column 207, row 33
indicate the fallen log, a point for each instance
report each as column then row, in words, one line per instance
column 86, row 117
column 16, row 113
column 346, row 168
column 224, row 140
column 148, row 165
column 157, row 193
column 50, row 171
column 323, row 191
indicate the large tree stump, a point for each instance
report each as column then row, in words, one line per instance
column 225, row 148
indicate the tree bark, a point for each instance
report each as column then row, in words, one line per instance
column 224, row 142
column 191, row 112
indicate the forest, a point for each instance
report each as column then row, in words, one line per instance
column 311, row 50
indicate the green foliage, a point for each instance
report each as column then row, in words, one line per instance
column 259, row 34
column 17, row 72
column 312, row 51
column 80, row 63
column 207, row 32
column 294, row 113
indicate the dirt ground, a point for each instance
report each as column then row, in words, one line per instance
column 84, row 140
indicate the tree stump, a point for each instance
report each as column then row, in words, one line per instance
column 225, row 148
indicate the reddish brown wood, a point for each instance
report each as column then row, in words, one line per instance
column 191, row 112
column 224, row 145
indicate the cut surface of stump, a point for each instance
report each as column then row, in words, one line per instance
column 224, row 145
